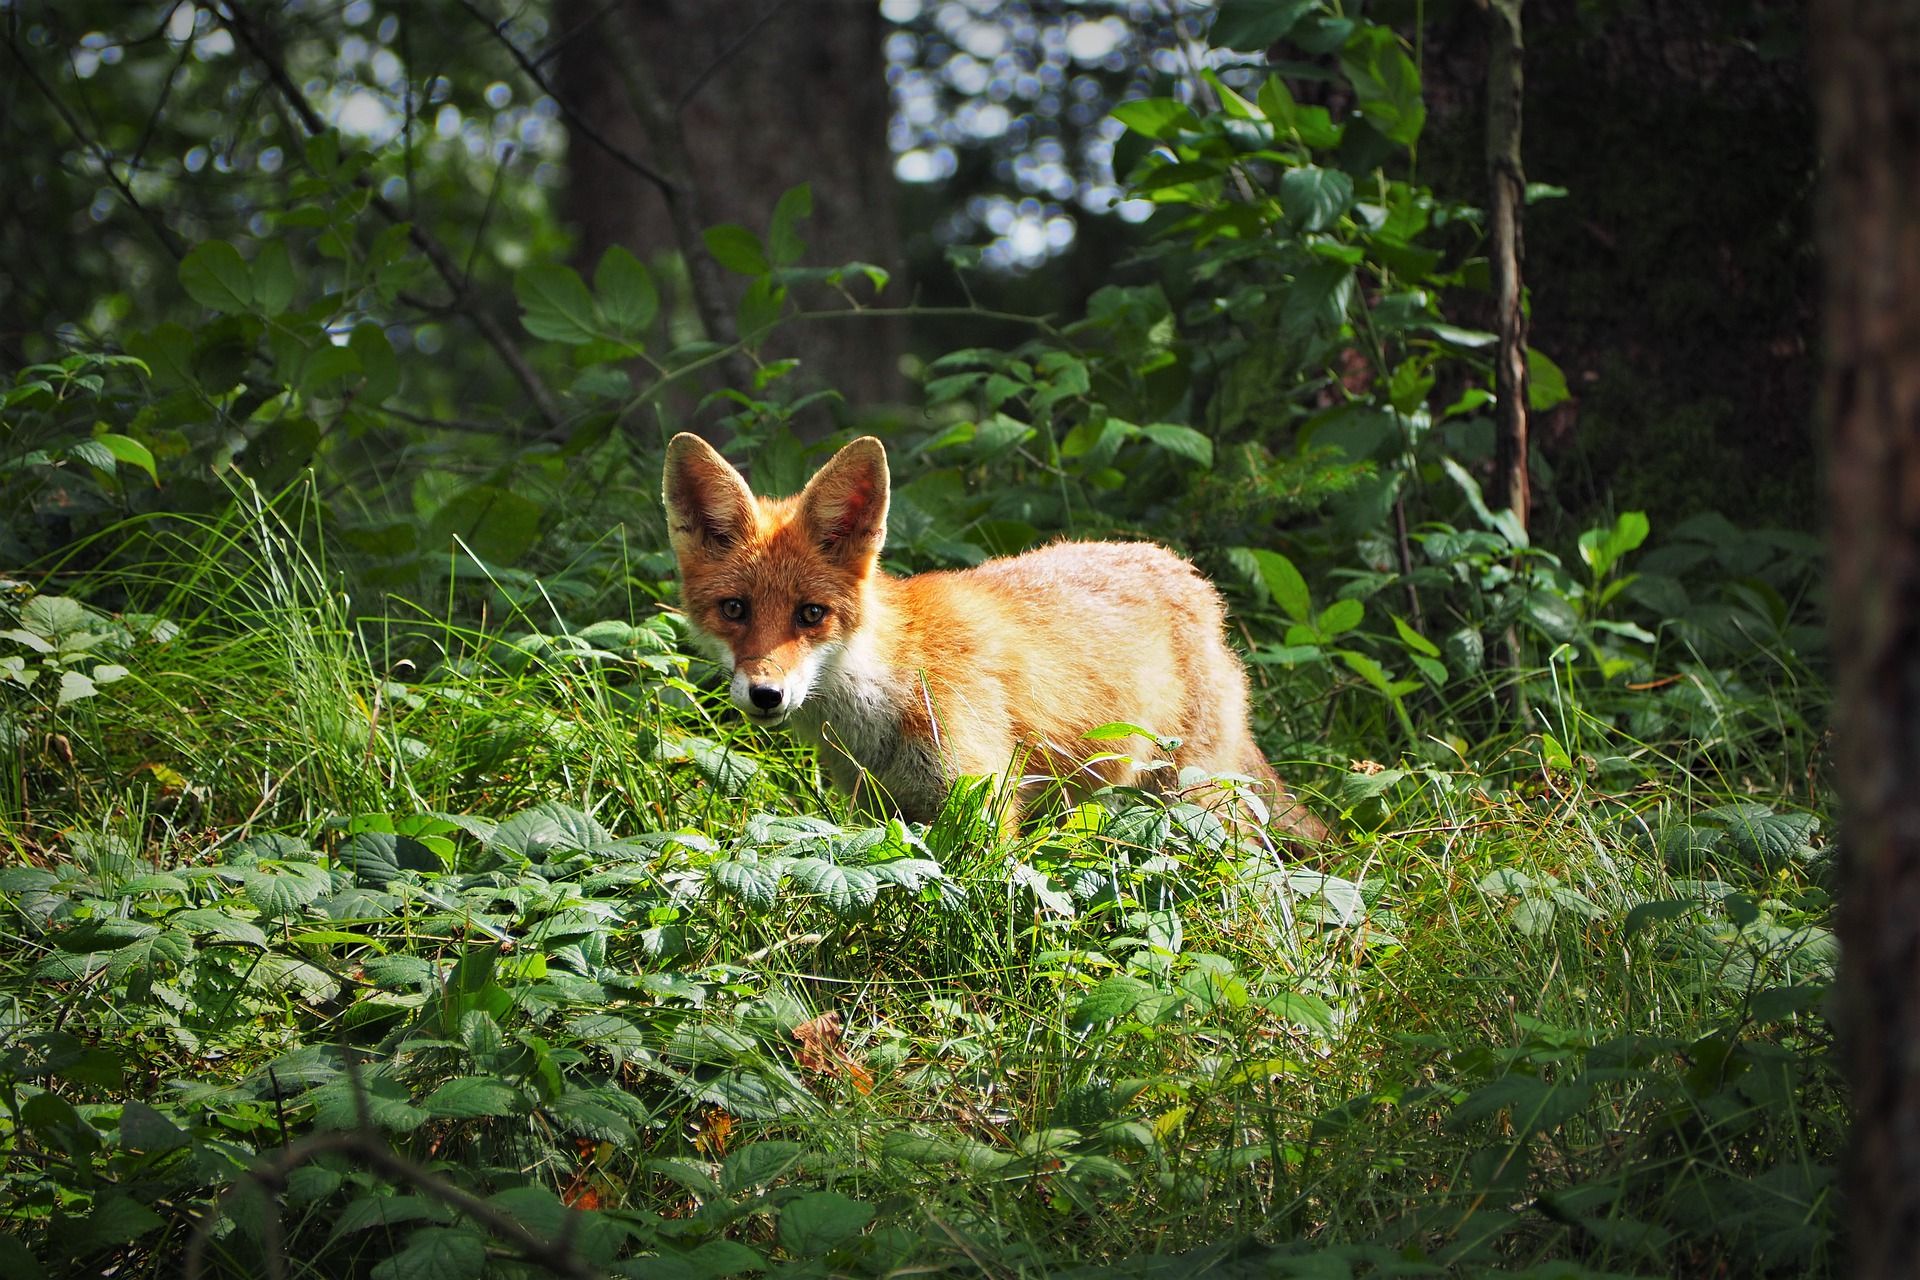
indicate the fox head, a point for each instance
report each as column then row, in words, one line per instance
column 776, row 587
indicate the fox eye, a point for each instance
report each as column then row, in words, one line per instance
column 733, row 608
column 811, row 614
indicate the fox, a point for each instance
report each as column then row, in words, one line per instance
column 907, row 684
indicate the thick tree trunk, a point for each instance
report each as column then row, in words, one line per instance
column 741, row 100
column 1867, row 70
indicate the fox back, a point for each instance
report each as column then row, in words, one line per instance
column 906, row 684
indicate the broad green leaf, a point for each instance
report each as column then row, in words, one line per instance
column 1386, row 82
column 282, row 888
column 1313, row 198
column 555, row 304
column 1413, row 639
column 1284, row 584
column 116, row 1220
column 1546, row 385
column 130, row 451
column 737, row 249
column 1156, row 117
column 1339, row 617
column 273, row 278
column 822, row 1220
column 498, row 524
column 387, row 1104
column 1182, row 441
column 437, row 1253
column 1254, row 25
column 467, row 1097
column 759, row 1165
column 1318, row 298
column 626, row 291
column 215, row 275
column 1770, row 839
column 846, row 890
column 144, row 1129
column 784, row 246
column 73, row 687
column 549, row 826
column 1111, row 998
column 757, row 884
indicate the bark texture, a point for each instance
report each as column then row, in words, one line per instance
column 736, row 101
column 1508, row 180
column 1867, row 73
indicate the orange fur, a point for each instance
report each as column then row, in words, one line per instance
column 908, row 683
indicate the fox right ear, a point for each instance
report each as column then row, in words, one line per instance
column 709, row 507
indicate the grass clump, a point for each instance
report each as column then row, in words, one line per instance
column 401, row 945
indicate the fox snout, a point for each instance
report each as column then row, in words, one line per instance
column 767, row 690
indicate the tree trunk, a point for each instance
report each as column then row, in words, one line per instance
column 749, row 98
column 1507, row 178
column 1867, row 73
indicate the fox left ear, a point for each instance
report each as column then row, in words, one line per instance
column 845, row 504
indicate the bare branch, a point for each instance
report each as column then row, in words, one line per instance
column 574, row 121
column 100, row 153
column 726, row 55
column 235, row 17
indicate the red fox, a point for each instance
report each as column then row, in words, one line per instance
column 906, row 684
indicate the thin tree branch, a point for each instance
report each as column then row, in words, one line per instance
column 725, row 56
column 100, row 153
column 233, row 15
column 574, row 121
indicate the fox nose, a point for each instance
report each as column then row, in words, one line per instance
column 767, row 697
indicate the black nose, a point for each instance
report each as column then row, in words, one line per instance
column 766, row 696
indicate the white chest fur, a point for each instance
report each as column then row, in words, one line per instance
column 855, row 714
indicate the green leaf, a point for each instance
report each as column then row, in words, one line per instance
column 846, row 890
column 1182, row 441
column 1313, row 198
column 1546, row 385
column 1386, row 82
column 784, row 245
column 1256, row 24
column 757, row 884
column 1602, row 548
column 215, row 275
column 282, row 888
column 1413, row 639
column 130, row 451
column 822, row 1220
column 498, row 525
column 117, row 1219
column 758, row 1165
column 1340, row 616
column 737, row 249
column 467, row 1097
column 1318, row 297
column 626, row 291
column 1284, row 584
column 555, row 304
column 1156, row 117
column 73, row 687
column 535, row 833
column 273, row 279
column 388, row 1106
column 1769, row 839
column 144, row 1129
column 437, row 1253
column 1110, row 999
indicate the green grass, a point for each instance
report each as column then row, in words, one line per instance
column 378, row 904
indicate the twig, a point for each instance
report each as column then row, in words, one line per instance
column 725, row 56
column 234, row 16
column 579, row 126
column 100, row 153
column 558, row 1257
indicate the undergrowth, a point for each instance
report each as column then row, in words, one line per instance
column 343, row 942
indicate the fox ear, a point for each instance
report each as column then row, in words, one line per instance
column 845, row 504
column 709, row 507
